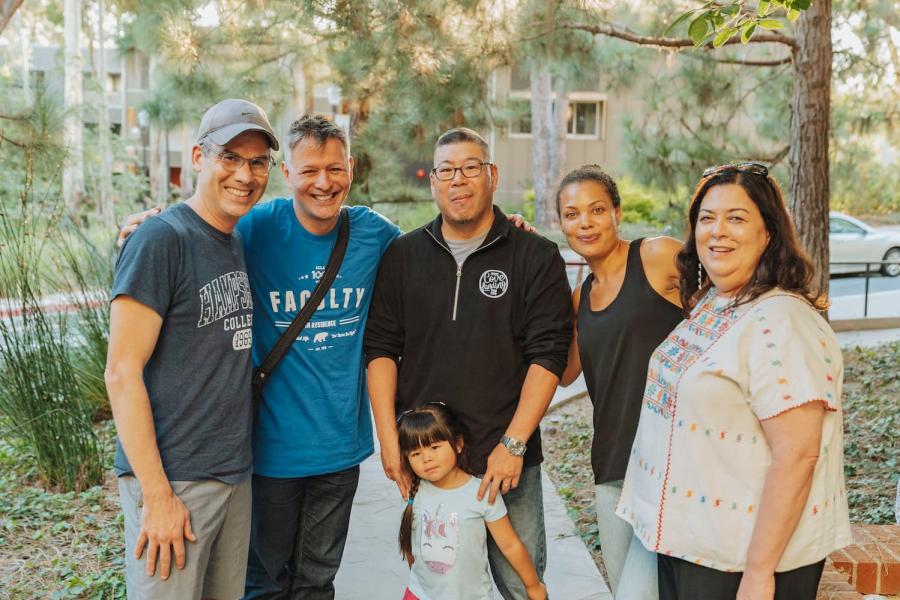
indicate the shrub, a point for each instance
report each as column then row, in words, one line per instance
column 40, row 393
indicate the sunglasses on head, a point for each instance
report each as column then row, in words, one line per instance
column 740, row 167
column 418, row 408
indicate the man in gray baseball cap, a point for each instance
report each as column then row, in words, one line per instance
column 179, row 368
column 232, row 117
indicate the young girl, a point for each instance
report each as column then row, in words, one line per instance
column 442, row 534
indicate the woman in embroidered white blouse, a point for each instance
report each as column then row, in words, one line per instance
column 736, row 474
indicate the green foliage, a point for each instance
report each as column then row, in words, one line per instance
column 527, row 208
column 87, row 269
column 705, row 114
column 871, row 422
column 649, row 205
column 39, row 387
column 861, row 184
column 37, row 523
column 717, row 23
column 408, row 215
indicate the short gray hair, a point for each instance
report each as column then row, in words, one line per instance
column 314, row 127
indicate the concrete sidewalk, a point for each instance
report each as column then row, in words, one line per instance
column 372, row 568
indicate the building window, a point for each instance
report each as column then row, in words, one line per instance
column 520, row 117
column 585, row 119
column 520, row 77
column 114, row 81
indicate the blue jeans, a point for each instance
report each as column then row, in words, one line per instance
column 631, row 567
column 297, row 535
column 525, row 508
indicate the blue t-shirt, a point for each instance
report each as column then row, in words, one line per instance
column 314, row 418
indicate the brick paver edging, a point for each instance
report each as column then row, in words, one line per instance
column 872, row 562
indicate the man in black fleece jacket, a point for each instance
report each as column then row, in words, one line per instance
column 469, row 311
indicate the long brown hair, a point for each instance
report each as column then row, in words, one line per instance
column 783, row 263
column 429, row 424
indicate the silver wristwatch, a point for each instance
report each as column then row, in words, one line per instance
column 514, row 446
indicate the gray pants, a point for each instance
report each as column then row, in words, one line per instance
column 631, row 567
column 525, row 508
column 215, row 564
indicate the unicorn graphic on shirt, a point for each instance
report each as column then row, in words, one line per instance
column 439, row 540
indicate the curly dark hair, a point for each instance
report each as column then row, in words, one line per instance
column 783, row 263
column 590, row 173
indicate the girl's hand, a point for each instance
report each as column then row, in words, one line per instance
column 537, row 591
column 756, row 586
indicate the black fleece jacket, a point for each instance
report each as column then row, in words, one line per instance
column 467, row 336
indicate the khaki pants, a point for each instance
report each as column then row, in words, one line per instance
column 215, row 564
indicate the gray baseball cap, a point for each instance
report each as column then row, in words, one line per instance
column 230, row 118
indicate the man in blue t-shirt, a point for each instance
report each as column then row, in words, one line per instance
column 314, row 427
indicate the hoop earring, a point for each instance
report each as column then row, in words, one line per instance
column 699, row 275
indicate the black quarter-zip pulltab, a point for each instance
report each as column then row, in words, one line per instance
column 459, row 267
column 456, row 293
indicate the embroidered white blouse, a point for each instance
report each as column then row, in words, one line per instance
column 696, row 472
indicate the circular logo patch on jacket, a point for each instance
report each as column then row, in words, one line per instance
column 493, row 283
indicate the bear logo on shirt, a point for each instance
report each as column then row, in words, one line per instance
column 493, row 283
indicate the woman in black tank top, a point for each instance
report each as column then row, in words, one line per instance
column 625, row 308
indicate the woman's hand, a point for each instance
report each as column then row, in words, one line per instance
column 756, row 586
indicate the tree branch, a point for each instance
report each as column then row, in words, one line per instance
column 7, row 10
column 680, row 43
column 3, row 138
column 753, row 63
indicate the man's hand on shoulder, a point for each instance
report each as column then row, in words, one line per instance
column 502, row 473
column 519, row 222
column 132, row 222
column 165, row 524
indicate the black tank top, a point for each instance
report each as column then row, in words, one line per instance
column 615, row 345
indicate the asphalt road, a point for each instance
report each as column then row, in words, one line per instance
column 844, row 285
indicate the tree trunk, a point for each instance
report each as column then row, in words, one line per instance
column 162, row 179
column 153, row 170
column 810, row 107
column 25, row 42
column 105, row 206
column 7, row 9
column 541, row 138
column 73, row 173
column 187, row 165
column 557, row 148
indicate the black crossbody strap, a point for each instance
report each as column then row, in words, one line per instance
column 264, row 370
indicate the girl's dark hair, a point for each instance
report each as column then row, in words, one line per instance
column 423, row 426
column 783, row 263
column 590, row 173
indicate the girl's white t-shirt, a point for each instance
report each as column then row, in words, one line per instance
column 699, row 460
column 449, row 542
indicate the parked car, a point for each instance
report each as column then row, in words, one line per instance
column 851, row 240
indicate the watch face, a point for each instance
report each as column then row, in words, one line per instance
column 515, row 447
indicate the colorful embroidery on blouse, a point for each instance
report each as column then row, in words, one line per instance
column 677, row 354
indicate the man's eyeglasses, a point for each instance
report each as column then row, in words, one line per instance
column 418, row 408
column 741, row 167
column 469, row 171
column 231, row 162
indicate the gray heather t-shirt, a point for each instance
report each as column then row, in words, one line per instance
column 461, row 249
column 198, row 376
